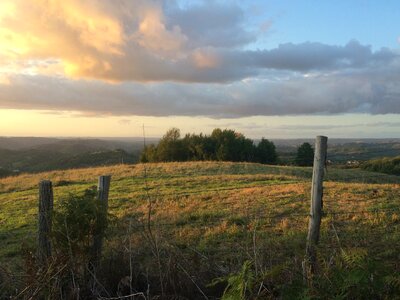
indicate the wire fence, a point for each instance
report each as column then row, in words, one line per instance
column 222, row 224
column 264, row 213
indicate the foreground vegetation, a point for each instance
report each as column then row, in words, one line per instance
column 383, row 165
column 213, row 228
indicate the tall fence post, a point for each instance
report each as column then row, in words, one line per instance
column 103, row 189
column 45, row 220
column 316, row 204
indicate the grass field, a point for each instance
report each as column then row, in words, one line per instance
column 214, row 216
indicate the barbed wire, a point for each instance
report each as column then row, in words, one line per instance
column 213, row 220
column 333, row 174
column 268, row 218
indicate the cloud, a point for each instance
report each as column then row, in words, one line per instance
column 158, row 58
column 335, row 127
column 88, row 38
column 213, row 24
column 316, row 56
column 146, row 41
column 125, row 122
column 266, row 25
column 365, row 91
column 206, row 58
column 153, row 35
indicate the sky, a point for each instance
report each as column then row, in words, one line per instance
column 274, row 69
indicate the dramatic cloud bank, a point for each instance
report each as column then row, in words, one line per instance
column 160, row 58
column 336, row 93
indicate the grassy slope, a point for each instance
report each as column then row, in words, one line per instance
column 218, row 208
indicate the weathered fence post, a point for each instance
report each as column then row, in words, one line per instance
column 316, row 204
column 45, row 220
column 103, row 189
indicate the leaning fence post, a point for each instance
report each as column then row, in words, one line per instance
column 316, row 204
column 103, row 189
column 45, row 220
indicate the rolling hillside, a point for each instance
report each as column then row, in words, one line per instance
column 208, row 218
column 43, row 154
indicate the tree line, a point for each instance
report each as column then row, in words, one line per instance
column 221, row 145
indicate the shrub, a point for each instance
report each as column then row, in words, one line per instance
column 69, row 272
column 384, row 165
column 77, row 219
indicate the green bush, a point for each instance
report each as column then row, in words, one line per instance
column 77, row 219
column 383, row 165
column 69, row 273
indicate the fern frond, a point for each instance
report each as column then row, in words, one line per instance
column 354, row 257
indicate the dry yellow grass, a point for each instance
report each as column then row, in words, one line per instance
column 218, row 208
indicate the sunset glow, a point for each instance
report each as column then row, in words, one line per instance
column 174, row 63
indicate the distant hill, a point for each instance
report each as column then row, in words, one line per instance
column 43, row 154
column 341, row 151
column 35, row 154
column 335, row 141
column 67, row 145
column 36, row 160
column 18, row 143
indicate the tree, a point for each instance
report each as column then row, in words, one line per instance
column 266, row 152
column 195, row 146
column 232, row 146
column 149, row 154
column 225, row 149
column 305, row 155
column 246, row 149
column 171, row 147
column 221, row 145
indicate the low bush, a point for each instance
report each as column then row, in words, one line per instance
column 383, row 165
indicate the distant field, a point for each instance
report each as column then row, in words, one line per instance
column 341, row 151
column 218, row 214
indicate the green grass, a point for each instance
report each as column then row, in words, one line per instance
column 222, row 212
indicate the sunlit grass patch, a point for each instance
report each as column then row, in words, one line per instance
column 215, row 213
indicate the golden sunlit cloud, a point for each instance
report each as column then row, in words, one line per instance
column 153, row 35
column 206, row 58
column 4, row 79
column 168, row 58
column 87, row 38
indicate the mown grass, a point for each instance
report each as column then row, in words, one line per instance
column 219, row 212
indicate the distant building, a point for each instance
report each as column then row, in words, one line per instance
column 353, row 163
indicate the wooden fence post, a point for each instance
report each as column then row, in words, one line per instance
column 316, row 204
column 45, row 220
column 103, row 189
